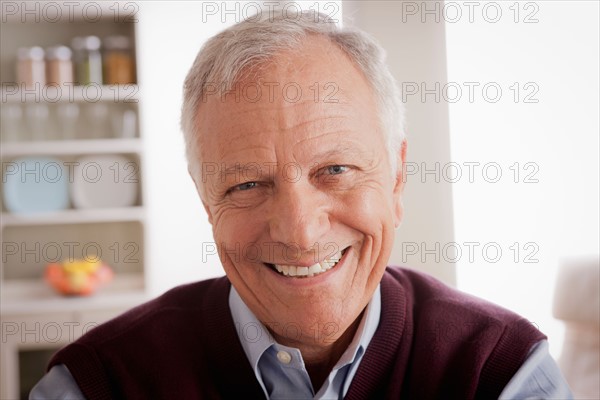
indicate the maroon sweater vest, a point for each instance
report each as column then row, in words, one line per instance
column 432, row 342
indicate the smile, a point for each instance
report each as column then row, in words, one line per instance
column 313, row 270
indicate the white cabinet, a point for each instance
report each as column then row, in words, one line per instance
column 29, row 340
column 66, row 124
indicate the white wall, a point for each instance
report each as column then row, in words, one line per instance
column 558, row 134
column 169, row 37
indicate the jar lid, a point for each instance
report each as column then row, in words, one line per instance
column 62, row 53
column 86, row 43
column 35, row 53
column 116, row 42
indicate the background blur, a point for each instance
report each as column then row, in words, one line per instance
column 501, row 198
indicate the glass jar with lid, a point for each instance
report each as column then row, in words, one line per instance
column 118, row 60
column 59, row 68
column 31, row 67
column 88, row 60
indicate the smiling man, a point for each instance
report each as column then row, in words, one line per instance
column 295, row 143
column 322, row 218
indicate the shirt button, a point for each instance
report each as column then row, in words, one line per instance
column 284, row 357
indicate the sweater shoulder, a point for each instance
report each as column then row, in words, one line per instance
column 427, row 293
column 125, row 355
column 459, row 338
column 161, row 312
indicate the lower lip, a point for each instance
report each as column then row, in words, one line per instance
column 314, row 280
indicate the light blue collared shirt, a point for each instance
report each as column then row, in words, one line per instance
column 280, row 370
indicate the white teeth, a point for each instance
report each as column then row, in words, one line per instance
column 315, row 269
column 334, row 258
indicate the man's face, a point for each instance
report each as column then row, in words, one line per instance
column 289, row 183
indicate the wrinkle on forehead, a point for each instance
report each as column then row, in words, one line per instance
column 282, row 116
column 260, row 124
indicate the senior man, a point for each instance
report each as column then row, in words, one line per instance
column 295, row 143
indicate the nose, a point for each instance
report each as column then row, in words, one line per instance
column 299, row 216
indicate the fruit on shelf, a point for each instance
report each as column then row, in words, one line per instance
column 78, row 277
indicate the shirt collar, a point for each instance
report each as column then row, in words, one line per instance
column 256, row 339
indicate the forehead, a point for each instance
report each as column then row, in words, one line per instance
column 308, row 92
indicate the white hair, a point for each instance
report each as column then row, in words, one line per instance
column 258, row 39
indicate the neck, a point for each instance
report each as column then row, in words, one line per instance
column 320, row 357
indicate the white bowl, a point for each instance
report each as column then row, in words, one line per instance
column 104, row 181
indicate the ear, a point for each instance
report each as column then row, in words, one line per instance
column 399, row 185
column 199, row 191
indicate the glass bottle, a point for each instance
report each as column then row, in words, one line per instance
column 88, row 60
column 31, row 68
column 118, row 60
column 11, row 122
column 59, row 68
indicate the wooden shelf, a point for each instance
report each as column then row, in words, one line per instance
column 71, row 147
column 74, row 216
column 37, row 297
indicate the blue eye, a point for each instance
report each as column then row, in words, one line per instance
column 336, row 169
column 246, row 186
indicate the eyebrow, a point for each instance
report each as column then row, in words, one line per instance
column 239, row 168
column 345, row 149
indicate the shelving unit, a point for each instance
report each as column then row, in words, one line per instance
column 27, row 303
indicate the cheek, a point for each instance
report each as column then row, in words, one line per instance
column 235, row 230
column 366, row 209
